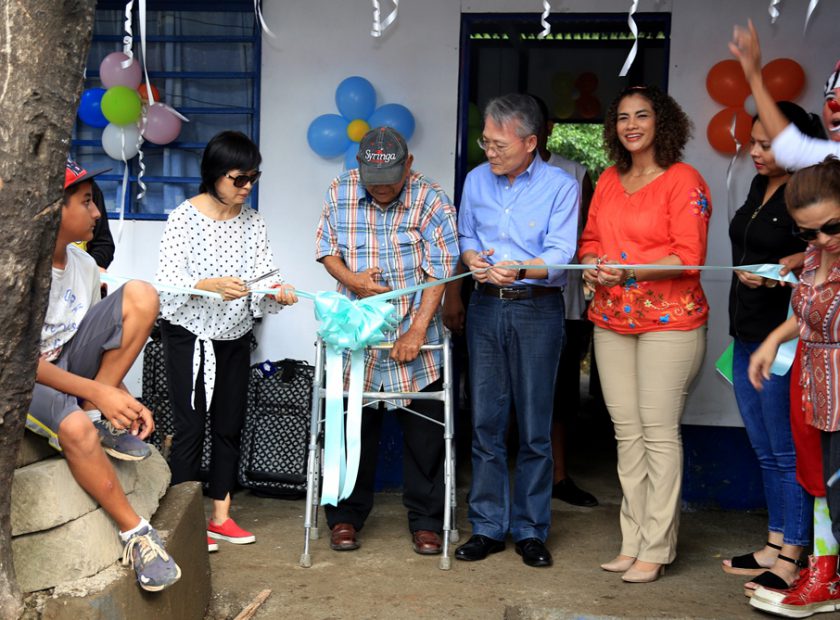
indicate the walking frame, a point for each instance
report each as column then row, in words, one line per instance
column 314, row 460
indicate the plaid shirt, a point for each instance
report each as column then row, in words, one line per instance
column 411, row 240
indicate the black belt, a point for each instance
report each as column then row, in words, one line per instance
column 516, row 292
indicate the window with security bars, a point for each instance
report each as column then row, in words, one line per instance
column 204, row 58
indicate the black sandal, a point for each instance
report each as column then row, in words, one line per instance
column 768, row 579
column 746, row 564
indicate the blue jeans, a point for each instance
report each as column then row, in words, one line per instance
column 766, row 416
column 514, row 348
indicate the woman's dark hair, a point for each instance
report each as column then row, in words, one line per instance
column 814, row 184
column 809, row 124
column 672, row 128
column 226, row 151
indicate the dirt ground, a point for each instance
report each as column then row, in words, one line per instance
column 384, row 579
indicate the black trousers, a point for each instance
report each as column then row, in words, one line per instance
column 423, row 453
column 227, row 411
column 567, row 386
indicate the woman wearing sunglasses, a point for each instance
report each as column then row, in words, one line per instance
column 760, row 232
column 214, row 242
column 813, row 201
column 650, row 325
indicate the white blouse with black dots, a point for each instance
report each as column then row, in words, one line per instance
column 195, row 247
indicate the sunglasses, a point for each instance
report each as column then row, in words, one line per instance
column 241, row 180
column 809, row 234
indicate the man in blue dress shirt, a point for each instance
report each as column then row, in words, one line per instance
column 515, row 209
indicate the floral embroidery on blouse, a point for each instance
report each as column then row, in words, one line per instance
column 631, row 306
column 699, row 203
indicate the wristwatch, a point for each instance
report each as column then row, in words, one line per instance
column 520, row 275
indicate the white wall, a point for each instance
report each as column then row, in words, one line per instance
column 320, row 42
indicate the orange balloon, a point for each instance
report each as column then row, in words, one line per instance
column 142, row 90
column 784, row 78
column 719, row 129
column 588, row 106
column 726, row 83
column 586, row 82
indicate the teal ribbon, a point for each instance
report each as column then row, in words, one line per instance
column 354, row 325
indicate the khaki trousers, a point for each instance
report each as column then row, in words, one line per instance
column 645, row 380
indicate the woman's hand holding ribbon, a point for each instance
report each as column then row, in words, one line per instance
column 229, row 287
column 285, row 294
column 750, row 280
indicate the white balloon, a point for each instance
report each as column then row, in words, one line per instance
column 749, row 106
column 121, row 142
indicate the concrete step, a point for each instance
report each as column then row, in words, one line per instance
column 33, row 449
column 114, row 593
column 86, row 543
column 45, row 495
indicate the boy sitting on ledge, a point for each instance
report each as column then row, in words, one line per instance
column 79, row 400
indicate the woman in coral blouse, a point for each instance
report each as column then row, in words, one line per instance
column 649, row 208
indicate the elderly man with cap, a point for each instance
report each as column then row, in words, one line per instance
column 515, row 210
column 385, row 227
column 79, row 400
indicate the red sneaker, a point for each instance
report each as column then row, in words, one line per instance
column 230, row 532
column 819, row 592
column 212, row 545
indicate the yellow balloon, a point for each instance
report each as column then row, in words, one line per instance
column 357, row 129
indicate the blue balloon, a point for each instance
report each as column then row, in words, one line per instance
column 327, row 135
column 396, row 116
column 90, row 108
column 355, row 98
column 350, row 161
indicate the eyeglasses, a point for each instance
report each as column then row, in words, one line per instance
column 484, row 145
column 809, row 234
column 241, row 180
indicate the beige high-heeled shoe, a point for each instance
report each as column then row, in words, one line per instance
column 621, row 564
column 635, row 575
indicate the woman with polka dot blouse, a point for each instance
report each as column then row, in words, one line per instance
column 214, row 242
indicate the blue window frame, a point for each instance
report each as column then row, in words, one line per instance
column 204, row 58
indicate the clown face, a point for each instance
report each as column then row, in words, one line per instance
column 831, row 114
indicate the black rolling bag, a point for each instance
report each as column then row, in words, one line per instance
column 276, row 431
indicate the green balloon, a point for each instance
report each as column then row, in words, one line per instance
column 121, row 105
column 474, row 116
column 474, row 153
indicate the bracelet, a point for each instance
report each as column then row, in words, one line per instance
column 630, row 276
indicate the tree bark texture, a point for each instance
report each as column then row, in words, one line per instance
column 43, row 50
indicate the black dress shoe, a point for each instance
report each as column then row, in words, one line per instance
column 534, row 552
column 566, row 490
column 478, row 547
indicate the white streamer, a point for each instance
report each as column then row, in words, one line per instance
column 631, row 23
column 811, row 6
column 128, row 39
column 731, row 164
column 380, row 26
column 544, row 20
column 774, row 12
column 263, row 25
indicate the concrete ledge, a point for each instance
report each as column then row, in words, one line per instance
column 45, row 494
column 33, row 449
column 115, row 595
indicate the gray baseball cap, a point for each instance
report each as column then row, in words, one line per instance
column 382, row 155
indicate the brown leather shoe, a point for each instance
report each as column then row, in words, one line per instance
column 426, row 542
column 343, row 537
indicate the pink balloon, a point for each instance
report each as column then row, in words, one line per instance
column 112, row 73
column 161, row 125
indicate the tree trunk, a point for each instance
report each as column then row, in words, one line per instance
column 43, row 50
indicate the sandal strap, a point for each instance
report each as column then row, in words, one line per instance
column 771, row 580
column 797, row 563
column 774, row 546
